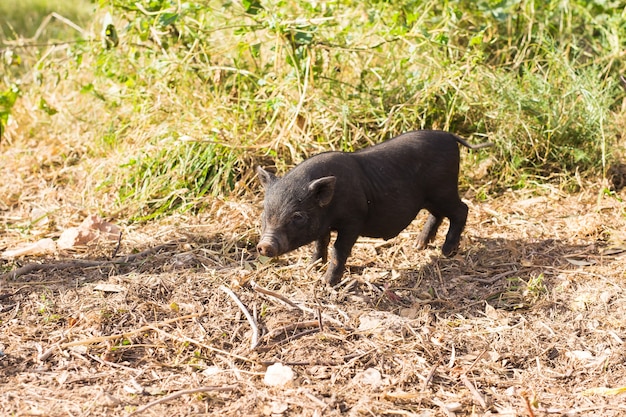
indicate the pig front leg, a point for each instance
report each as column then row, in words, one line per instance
column 341, row 250
column 321, row 249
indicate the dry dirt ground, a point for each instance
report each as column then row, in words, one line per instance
column 529, row 319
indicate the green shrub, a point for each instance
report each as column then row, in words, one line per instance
column 274, row 82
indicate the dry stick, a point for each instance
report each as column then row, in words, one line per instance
column 443, row 407
column 290, row 338
column 316, row 400
column 528, row 407
column 180, row 394
column 156, row 329
column 98, row 339
column 477, row 359
column 113, row 364
column 34, row 267
column 281, row 297
column 256, row 287
column 319, row 319
column 186, row 339
column 9, row 295
column 489, row 280
column 345, row 358
column 430, row 376
column 255, row 328
column 473, row 390
column 117, row 247
column 45, row 355
column 325, row 317
column 294, row 326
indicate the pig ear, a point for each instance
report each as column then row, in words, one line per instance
column 323, row 190
column 266, row 177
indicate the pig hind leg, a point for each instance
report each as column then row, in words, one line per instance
column 429, row 231
column 458, row 217
column 456, row 211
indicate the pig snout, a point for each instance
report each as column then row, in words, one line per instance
column 270, row 245
column 267, row 248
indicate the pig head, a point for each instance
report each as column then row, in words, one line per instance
column 294, row 212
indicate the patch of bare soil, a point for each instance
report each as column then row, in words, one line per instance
column 529, row 319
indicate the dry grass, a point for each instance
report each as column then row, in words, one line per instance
column 526, row 320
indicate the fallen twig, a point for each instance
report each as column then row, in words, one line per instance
column 256, row 287
column 443, row 407
column 48, row 352
column 180, row 394
column 34, row 267
column 117, row 247
column 98, row 339
column 9, row 295
column 289, row 339
column 473, row 390
column 290, row 327
column 284, row 299
column 113, row 364
column 527, row 403
column 490, row 280
column 325, row 317
column 345, row 359
column 319, row 320
column 186, row 339
column 153, row 327
column 430, row 376
column 255, row 328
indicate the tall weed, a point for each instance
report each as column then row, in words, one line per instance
column 197, row 92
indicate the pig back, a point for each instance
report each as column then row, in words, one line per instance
column 405, row 174
column 349, row 202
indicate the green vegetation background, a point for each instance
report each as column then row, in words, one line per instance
column 188, row 95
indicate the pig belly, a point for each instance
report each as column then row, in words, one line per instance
column 389, row 224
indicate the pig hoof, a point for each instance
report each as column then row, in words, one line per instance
column 331, row 280
column 449, row 252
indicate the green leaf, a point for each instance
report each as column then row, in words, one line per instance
column 303, row 37
column 252, row 6
column 43, row 105
column 168, row 18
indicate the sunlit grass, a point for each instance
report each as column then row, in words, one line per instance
column 22, row 18
column 272, row 83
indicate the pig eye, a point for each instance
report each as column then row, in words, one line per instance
column 298, row 219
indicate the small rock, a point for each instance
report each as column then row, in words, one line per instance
column 370, row 376
column 278, row 375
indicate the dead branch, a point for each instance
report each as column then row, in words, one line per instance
column 289, row 339
column 154, row 327
column 177, row 394
column 291, row 327
column 255, row 328
column 477, row 396
column 256, row 287
column 529, row 408
column 430, row 376
column 81, row 263
column 117, row 246
column 186, row 339
column 94, row 340
column 48, row 352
